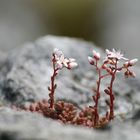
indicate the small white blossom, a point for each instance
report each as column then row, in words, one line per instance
column 115, row 54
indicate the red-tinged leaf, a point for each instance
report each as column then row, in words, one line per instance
column 113, row 97
column 94, row 98
column 50, row 95
column 107, row 91
column 91, row 107
column 49, row 88
column 108, row 88
column 107, row 102
column 55, row 86
column 107, row 114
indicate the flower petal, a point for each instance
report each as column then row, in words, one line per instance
column 57, row 52
column 59, row 65
column 72, row 60
column 73, row 65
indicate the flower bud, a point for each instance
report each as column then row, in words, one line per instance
column 109, row 70
column 72, row 65
column 104, row 66
column 129, row 73
column 96, row 55
column 126, row 64
column 91, row 60
column 133, row 61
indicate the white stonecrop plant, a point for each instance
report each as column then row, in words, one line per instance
column 109, row 67
column 59, row 61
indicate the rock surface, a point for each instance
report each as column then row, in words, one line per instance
column 25, row 75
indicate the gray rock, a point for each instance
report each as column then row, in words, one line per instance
column 25, row 125
column 25, row 75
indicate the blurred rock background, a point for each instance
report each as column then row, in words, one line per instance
column 24, row 72
column 109, row 24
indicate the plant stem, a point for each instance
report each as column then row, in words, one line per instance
column 103, row 76
column 97, row 96
column 111, row 114
column 53, row 85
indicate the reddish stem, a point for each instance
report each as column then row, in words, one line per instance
column 103, row 76
column 97, row 96
column 111, row 114
column 53, row 85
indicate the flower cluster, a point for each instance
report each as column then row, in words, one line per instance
column 61, row 61
column 114, row 57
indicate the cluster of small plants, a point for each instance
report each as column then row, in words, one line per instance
column 113, row 63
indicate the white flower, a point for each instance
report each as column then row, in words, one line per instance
column 61, row 61
column 115, row 54
column 96, row 55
